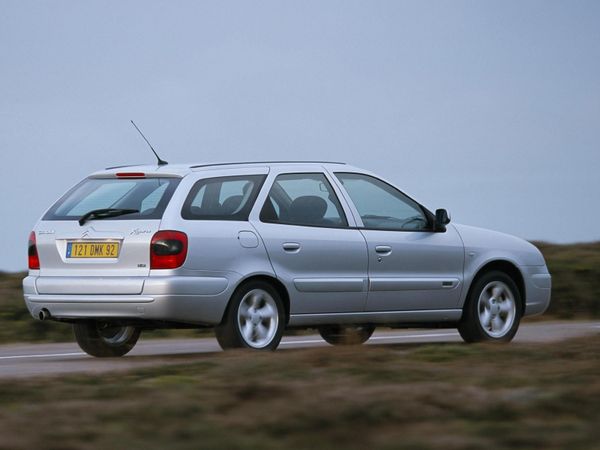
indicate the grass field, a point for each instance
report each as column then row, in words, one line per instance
column 442, row 396
column 576, row 294
column 575, row 273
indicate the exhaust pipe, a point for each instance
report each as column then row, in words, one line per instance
column 44, row 314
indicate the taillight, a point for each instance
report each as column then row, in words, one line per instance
column 168, row 249
column 34, row 260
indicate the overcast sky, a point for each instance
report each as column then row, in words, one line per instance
column 490, row 109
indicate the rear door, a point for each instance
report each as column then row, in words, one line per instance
column 312, row 247
column 79, row 258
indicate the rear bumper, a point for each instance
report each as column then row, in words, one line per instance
column 194, row 300
column 538, row 288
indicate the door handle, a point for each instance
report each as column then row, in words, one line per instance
column 383, row 249
column 291, row 246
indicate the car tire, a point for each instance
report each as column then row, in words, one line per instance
column 346, row 334
column 103, row 340
column 255, row 318
column 493, row 310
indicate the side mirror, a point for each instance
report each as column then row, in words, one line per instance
column 441, row 220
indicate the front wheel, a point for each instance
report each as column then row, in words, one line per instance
column 255, row 318
column 346, row 334
column 105, row 340
column 493, row 310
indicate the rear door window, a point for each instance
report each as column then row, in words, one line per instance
column 303, row 199
column 149, row 196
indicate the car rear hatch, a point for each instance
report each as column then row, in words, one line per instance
column 102, row 255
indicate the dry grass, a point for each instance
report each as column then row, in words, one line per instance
column 446, row 396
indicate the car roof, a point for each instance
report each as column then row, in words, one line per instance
column 181, row 170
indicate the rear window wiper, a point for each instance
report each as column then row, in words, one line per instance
column 105, row 213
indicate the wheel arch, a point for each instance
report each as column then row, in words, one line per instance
column 504, row 266
column 273, row 281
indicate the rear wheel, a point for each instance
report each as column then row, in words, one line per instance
column 255, row 318
column 105, row 340
column 493, row 310
column 346, row 334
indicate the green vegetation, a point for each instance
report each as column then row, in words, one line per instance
column 576, row 294
column 442, row 396
column 575, row 273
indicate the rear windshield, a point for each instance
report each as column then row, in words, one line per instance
column 149, row 196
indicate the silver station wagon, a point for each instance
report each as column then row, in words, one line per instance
column 251, row 249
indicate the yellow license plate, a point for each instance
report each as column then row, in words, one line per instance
column 92, row 249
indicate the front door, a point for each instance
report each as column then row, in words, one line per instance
column 411, row 267
column 314, row 252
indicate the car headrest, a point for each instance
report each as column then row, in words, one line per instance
column 231, row 204
column 308, row 210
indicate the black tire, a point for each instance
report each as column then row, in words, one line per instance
column 472, row 326
column 241, row 329
column 346, row 334
column 103, row 340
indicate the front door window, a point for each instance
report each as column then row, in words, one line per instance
column 381, row 206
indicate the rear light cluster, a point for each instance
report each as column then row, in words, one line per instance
column 168, row 249
column 34, row 259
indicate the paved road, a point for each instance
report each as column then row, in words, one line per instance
column 27, row 360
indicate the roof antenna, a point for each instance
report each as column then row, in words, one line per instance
column 161, row 162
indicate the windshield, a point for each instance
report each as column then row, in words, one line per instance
column 149, row 196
